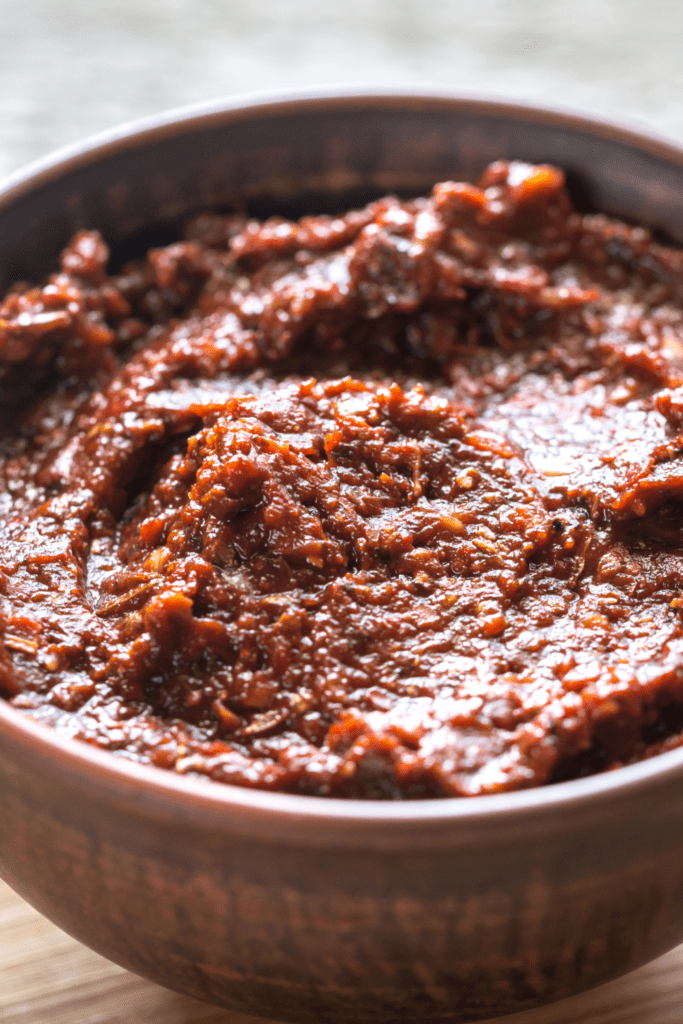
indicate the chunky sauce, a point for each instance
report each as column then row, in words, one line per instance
column 385, row 505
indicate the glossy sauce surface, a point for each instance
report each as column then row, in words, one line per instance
column 386, row 505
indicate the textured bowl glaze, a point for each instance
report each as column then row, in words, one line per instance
column 303, row 908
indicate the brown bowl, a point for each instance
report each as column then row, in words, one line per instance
column 300, row 907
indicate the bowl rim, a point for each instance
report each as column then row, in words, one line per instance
column 138, row 132
column 345, row 820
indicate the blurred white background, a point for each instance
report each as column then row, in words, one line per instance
column 72, row 67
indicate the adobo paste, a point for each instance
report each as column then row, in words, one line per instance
column 384, row 505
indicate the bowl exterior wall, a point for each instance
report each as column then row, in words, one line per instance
column 481, row 923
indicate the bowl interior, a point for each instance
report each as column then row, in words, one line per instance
column 312, row 155
column 303, row 155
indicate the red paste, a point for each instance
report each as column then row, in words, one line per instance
column 386, row 505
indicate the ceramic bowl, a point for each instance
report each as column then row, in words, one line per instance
column 303, row 908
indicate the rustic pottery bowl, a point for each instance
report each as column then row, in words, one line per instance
column 303, row 908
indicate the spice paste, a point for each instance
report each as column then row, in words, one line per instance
column 384, row 505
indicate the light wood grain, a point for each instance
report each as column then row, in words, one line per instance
column 46, row 977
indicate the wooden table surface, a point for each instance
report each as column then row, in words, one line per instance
column 46, row 977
